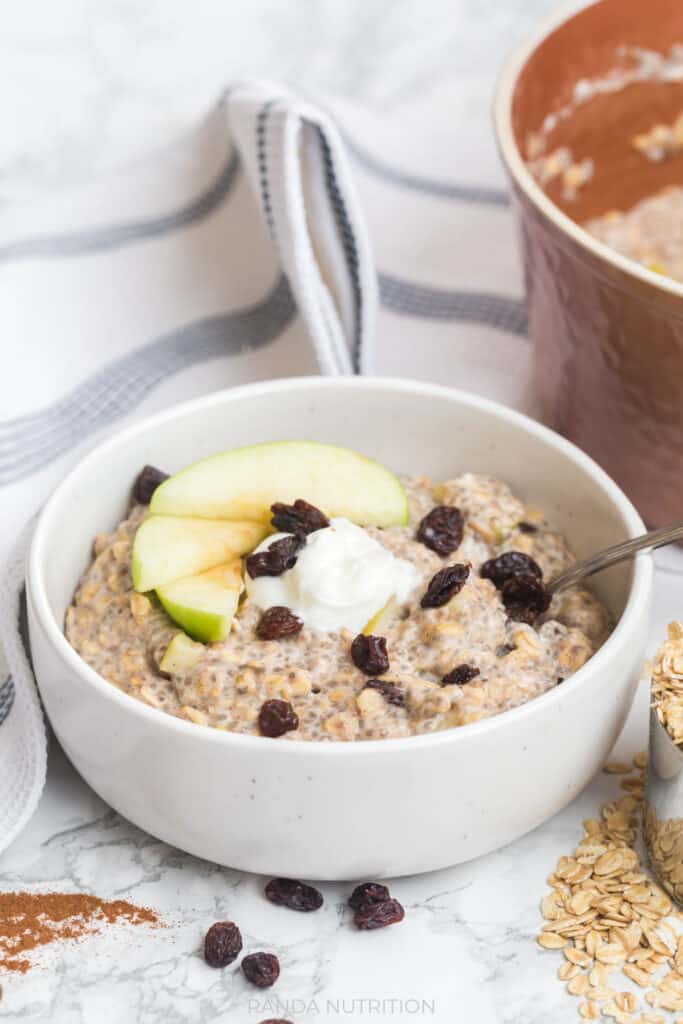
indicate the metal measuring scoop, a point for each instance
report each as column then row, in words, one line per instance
column 663, row 811
column 617, row 553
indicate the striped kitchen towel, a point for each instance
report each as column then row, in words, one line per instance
column 240, row 253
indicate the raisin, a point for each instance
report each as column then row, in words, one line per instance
column 261, row 969
column 378, row 915
column 461, row 674
column 287, row 892
column 223, row 944
column 527, row 527
column 146, row 483
column 369, row 654
column 510, row 563
column 525, row 598
column 367, row 894
column 392, row 693
column 278, row 623
column 276, row 559
column 441, row 529
column 446, row 584
column 277, row 717
column 504, row 650
column 300, row 518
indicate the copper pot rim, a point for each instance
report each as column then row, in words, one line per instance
column 516, row 167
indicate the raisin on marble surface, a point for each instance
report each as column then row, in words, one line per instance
column 261, row 969
column 223, row 944
column 378, row 915
column 288, row 892
column 368, row 893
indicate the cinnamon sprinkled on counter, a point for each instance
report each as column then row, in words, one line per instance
column 29, row 920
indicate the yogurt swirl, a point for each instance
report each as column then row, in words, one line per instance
column 342, row 578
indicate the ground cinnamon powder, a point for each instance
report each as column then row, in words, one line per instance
column 32, row 919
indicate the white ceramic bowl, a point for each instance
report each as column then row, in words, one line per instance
column 340, row 810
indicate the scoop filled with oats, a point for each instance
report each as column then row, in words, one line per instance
column 663, row 817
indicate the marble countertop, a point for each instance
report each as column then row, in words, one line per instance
column 89, row 85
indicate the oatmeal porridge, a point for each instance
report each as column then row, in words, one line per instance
column 650, row 233
column 468, row 632
column 627, row 121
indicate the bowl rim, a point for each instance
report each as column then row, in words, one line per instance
column 637, row 603
column 512, row 158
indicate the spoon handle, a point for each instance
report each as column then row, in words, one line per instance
column 617, row 553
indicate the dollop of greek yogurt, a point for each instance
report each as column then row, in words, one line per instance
column 342, row 578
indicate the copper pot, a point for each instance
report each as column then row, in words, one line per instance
column 607, row 332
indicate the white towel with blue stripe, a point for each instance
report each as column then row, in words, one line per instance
column 279, row 238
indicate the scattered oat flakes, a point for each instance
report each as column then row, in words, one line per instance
column 578, row 986
column 613, row 1010
column 628, row 1002
column 551, row 941
column 608, row 915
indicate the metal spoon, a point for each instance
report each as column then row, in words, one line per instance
column 617, row 553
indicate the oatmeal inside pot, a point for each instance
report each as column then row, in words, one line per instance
column 611, row 155
column 446, row 661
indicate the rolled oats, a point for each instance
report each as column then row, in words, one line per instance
column 613, row 917
column 578, row 957
column 599, row 975
column 600, row 993
column 614, row 1011
column 578, row 986
column 551, row 941
column 628, row 1002
column 611, row 953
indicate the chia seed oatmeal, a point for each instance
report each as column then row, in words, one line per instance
column 458, row 662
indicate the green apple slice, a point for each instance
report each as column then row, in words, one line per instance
column 168, row 548
column 244, row 483
column 205, row 605
column 379, row 622
column 181, row 654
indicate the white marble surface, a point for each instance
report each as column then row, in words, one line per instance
column 88, row 85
